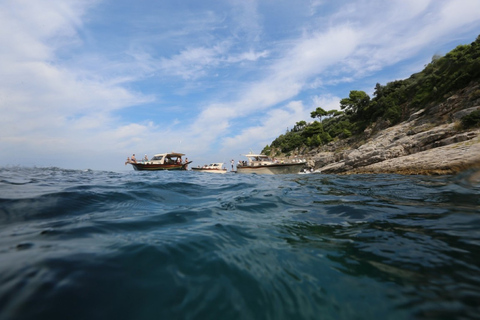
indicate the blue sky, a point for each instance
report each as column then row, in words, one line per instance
column 84, row 84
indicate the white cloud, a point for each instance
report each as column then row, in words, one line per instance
column 247, row 56
column 194, row 63
column 314, row 52
column 326, row 102
column 246, row 18
column 46, row 106
column 309, row 56
column 272, row 124
column 26, row 25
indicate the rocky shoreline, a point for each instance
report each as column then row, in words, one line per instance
column 430, row 142
column 449, row 159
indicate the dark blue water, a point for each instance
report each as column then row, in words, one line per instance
column 189, row 245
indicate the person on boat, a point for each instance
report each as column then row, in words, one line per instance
column 232, row 162
column 134, row 160
column 128, row 161
column 145, row 158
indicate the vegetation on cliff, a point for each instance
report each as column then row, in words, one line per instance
column 392, row 103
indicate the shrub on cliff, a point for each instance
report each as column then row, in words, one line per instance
column 471, row 120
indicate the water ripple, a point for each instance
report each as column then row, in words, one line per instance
column 180, row 245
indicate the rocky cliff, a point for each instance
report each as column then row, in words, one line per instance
column 431, row 141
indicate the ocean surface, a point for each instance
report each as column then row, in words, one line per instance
column 189, row 245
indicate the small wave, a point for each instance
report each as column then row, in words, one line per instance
column 182, row 245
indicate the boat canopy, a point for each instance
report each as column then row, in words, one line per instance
column 257, row 157
column 167, row 157
column 171, row 154
column 157, row 157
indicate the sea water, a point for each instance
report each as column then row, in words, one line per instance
column 189, row 245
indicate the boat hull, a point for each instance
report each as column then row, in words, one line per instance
column 210, row 170
column 158, row 167
column 280, row 168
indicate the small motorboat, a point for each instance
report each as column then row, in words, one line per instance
column 161, row 161
column 212, row 168
column 262, row 164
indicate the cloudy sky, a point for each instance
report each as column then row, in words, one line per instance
column 86, row 83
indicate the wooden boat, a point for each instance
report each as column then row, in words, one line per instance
column 161, row 161
column 211, row 168
column 262, row 164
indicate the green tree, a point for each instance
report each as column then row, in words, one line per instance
column 318, row 113
column 313, row 129
column 379, row 90
column 267, row 150
column 334, row 113
column 356, row 103
column 299, row 126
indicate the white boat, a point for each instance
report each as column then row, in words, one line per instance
column 211, row 168
column 262, row 164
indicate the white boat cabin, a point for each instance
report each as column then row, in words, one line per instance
column 218, row 166
column 259, row 160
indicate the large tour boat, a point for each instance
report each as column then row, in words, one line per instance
column 262, row 164
column 161, row 161
column 211, row 168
